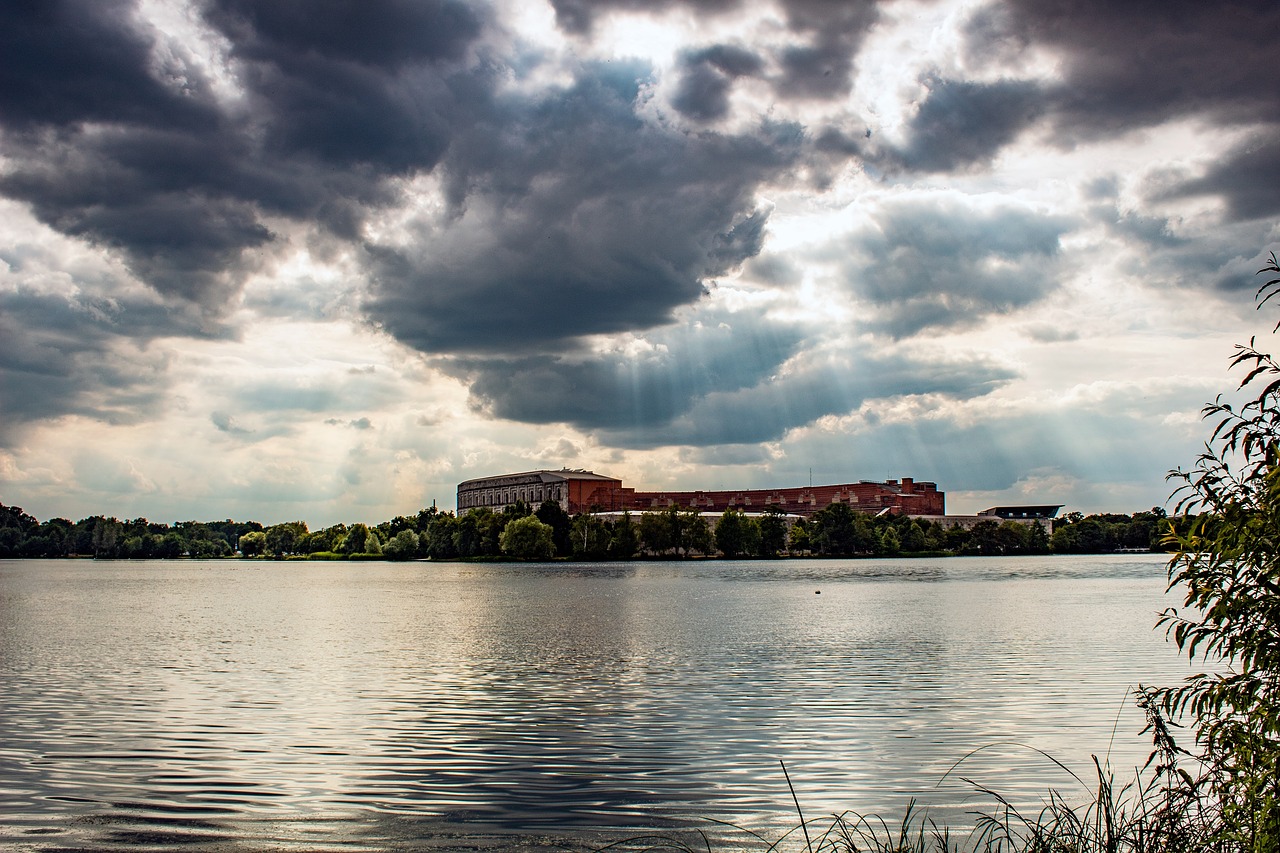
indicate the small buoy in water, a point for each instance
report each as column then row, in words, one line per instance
column 817, row 592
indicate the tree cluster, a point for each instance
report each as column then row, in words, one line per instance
column 673, row 532
column 100, row 536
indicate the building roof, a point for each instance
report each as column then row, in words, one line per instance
column 1029, row 511
column 564, row 474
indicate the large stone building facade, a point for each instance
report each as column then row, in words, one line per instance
column 585, row 491
column 575, row 490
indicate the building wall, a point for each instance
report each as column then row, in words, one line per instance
column 585, row 491
column 903, row 496
column 968, row 522
column 571, row 489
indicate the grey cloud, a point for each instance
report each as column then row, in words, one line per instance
column 1212, row 263
column 1108, row 443
column 819, row 63
column 579, row 218
column 825, row 65
column 358, row 423
column 769, row 409
column 774, row 269
column 705, row 383
column 1153, row 231
column 1248, row 177
column 340, row 99
column 63, row 62
column 962, row 124
column 1137, row 64
column 732, row 454
column 392, row 33
column 79, row 355
column 624, row 391
column 1047, row 333
column 707, row 76
column 227, row 423
column 940, row 264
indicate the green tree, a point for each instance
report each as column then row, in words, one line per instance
column 550, row 512
column 105, row 537
column 736, row 535
column 913, row 537
column 655, row 533
column 285, row 538
column 442, row 531
column 356, row 541
column 253, row 543
column 692, row 532
column 799, row 537
column 590, row 537
column 1037, row 540
column 468, row 538
column 624, row 541
column 773, row 532
column 323, row 540
column 889, row 542
column 832, row 530
column 402, row 546
column 527, row 538
column 1227, row 563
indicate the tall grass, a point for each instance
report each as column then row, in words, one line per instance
column 1166, row 808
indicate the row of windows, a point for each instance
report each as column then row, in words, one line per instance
column 532, row 495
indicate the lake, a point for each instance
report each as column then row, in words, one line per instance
column 353, row 706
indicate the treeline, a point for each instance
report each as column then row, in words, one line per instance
column 549, row 532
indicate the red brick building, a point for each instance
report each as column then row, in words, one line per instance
column 585, row 491
column 904, row 496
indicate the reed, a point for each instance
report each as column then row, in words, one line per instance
column 1166, row 808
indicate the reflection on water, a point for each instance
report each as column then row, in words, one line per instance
column 155, row 703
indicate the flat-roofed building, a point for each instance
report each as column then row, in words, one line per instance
column 1041, row 514
column 905, row 496
column 575, row 490
column 585, row 491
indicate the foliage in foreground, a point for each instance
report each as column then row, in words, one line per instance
column 1228, row 565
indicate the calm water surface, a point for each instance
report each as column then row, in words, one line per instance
column 366, row 705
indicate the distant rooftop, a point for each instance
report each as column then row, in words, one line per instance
column 1037, row 511
column 547, row 475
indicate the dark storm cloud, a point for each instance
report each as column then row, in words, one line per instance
column 354, row 85
column 63, row 62
column 107, row 145
column 579, row 218
column 962, row 124
column 937, row 263
column 569, row 214
column 707, row 76
column 1137, row 64
column 823, row 66
column 1247, row 177
column 1134, row 65
column 389, row 34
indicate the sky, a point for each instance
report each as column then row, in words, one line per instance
column 324, row 260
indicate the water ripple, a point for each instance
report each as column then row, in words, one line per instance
column 180, row 704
